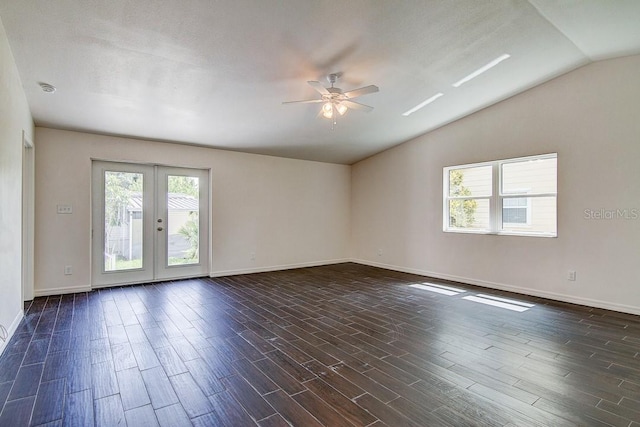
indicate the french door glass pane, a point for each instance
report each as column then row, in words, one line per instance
column 122, row 220
column 183, row 222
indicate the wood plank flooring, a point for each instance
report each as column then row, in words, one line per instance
column 340, row 345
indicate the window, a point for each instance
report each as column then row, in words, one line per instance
column 515, row 196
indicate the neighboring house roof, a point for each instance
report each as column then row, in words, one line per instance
column 177, row 201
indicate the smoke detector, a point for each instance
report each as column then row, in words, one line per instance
column 46, row 87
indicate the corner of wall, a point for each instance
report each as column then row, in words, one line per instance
column 6, row 334
column 17, row 122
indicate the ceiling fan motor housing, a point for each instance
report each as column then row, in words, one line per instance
column 335, row 94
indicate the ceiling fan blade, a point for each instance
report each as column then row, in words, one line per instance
column 319, row 87
column 356, row 106
column 306, row 101
column 362, row 91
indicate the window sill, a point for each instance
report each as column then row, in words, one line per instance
column 502, row 233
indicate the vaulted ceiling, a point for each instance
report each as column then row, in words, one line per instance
column 215, row 73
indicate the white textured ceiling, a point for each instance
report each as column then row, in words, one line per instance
column 215, row 73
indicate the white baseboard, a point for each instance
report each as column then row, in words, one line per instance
column 11, row 330
column 276, row 268
column 60, row 291
column 510, row 288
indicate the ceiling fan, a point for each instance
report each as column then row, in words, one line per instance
column 335, row 101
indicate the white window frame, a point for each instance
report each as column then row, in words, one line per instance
column 495, row 199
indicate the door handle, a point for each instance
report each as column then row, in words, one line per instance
column 160, row 228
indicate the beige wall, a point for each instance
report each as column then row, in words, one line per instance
column 288, row 212
column 14, row 119
column 590, row 117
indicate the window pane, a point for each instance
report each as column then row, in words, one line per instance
column 515, row 202
column 515, row 210
column 475, row 182
column 183, row 233
column 537, row 176
column 122, row 220
column 469, row 214
column 514, row 215
column 541, row 217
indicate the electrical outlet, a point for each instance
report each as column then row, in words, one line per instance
column 571, row 275
column 379, row 251
column 64, row 209
column 68, row 270
column 252, row 256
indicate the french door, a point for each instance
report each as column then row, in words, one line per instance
column 149, row 223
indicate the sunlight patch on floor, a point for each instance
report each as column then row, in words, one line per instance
column 507, row 300
column 493, row 302
column 440, row 289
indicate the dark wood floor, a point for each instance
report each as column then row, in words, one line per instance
column 342, row 345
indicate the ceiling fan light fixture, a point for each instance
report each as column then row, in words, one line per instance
column 334, row 101
column 327, row 110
